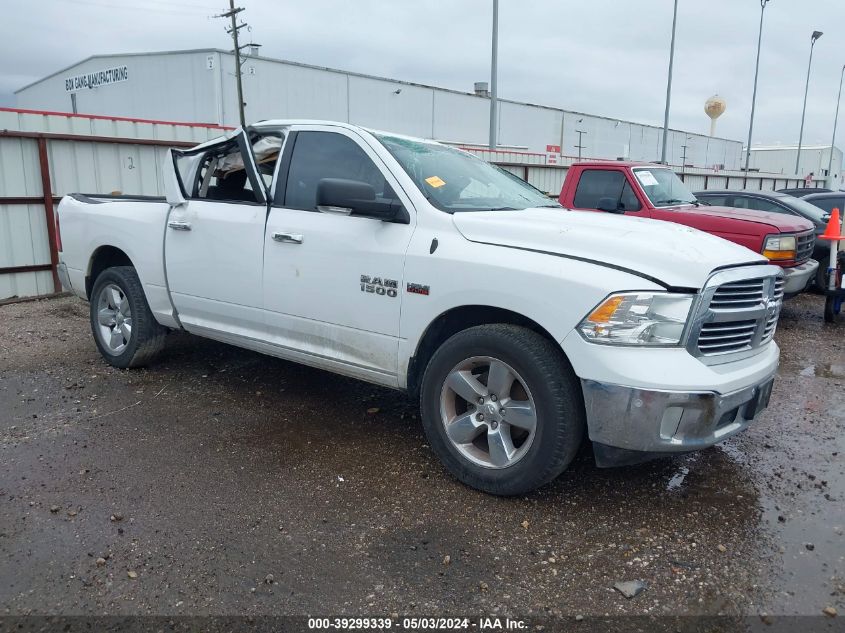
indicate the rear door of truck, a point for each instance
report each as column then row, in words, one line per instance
column 214, row 237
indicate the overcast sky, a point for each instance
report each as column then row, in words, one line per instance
column 607, row 57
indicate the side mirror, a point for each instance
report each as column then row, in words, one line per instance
column 354, row 197
column 611, row 205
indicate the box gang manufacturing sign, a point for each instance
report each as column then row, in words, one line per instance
column 97, row 78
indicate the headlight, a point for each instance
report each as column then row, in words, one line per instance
column 779, row 247
column 638, row 318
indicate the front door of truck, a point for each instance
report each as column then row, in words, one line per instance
column 606, row 190
column 214, row 238
column 333, row 281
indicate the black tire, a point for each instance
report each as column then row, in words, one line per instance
column 558, row 400
column 832, row 309
column 147, row 337
column 820, row 285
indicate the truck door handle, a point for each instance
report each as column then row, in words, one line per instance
column 288, row 238
column 178, row 225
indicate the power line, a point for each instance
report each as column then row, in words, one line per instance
column 170, row 10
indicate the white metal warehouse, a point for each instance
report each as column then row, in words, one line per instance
column 780, row 159
column 199, row 86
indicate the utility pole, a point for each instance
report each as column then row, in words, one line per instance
column 494, row 71
column 684, row 154
column 232, row 14
column 669, row 86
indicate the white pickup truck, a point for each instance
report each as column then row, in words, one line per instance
column 420, row 267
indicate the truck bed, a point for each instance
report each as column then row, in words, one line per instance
column 134, row 225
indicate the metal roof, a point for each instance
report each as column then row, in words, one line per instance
column 770, row 148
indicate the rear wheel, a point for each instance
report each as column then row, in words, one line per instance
column 502, row 408
column 124, row 329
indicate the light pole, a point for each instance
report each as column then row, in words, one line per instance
column 684, row 154
column 763, row 4
column 816, row 35
column 494, row 63
column 669, row 85
column 835, row 121
column 580, row 145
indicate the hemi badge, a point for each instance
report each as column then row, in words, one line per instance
column 418, row 289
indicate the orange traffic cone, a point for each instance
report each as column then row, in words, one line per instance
column 832, row 232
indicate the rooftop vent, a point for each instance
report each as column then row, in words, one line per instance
column 482, row 89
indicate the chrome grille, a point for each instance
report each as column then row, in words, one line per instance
column 738, row 315
column 719, row 338
column 804, row 243
column 740, row 294
column 779, row 283
column 769, row 329
column 772, row 322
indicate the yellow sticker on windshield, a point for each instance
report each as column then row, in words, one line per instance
column 435, row 181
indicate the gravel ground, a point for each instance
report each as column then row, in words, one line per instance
column 219, row 481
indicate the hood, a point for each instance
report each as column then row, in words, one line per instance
column 779, row 222
column 676, row 255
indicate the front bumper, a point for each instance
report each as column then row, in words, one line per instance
column 798, row 277
column 629, row 424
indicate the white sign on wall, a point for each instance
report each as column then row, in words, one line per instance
column 97, row 78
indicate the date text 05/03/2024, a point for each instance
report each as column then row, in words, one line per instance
column 418, row 623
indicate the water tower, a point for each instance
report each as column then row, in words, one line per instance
column 714, row 107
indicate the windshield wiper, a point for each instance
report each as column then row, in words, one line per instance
column 503, row 209
column 673, row 201
column 548, row 206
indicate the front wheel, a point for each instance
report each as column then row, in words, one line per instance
column 832, row 308
column 124, row 329
column 502, row 408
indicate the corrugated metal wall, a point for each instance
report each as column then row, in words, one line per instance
column 814, row 158
column 75, row 165
column 23, row 227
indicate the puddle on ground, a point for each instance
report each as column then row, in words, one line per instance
column 829, row 370
column 677, row 480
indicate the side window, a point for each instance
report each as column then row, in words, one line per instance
column 596, row 184
column 758, row 204
column 716, row 201
column 266, row 151
column 318, row 155
column 221, row 174
column 186, row 168
column 827, row 204
column 629, row 199
column 224, row 179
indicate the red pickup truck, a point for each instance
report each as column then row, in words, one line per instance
column 654, row 191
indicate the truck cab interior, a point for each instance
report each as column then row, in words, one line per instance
column 221, row 175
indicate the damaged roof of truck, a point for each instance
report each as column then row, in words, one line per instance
column 273, row 124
